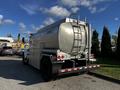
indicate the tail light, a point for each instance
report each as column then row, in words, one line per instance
column 60, row 57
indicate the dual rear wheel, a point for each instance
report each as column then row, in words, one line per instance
column 46, row 69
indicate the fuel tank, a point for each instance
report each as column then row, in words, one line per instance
column 68, row 35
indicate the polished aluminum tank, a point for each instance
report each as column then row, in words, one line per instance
column 68, row 35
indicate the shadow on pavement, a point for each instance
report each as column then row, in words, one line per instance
column 69, row 75
column 16, row 70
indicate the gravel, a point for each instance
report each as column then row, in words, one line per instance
column 16, row 76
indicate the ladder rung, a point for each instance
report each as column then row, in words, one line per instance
column 76, row 25
column 81, row 45
column 76, row 46
column 78, row 39
column 77, row 33
column 74, row 52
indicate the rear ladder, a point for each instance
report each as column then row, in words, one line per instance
column 77, row 39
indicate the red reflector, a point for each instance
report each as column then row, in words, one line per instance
column 58, row 57
column 62, row 57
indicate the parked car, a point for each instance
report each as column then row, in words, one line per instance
column 1, row 51
column 7, row 51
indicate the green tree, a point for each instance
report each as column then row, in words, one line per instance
column 18, row 37
column 106, row 43
column 95, row 44
column 118, row 44
column 23, row 40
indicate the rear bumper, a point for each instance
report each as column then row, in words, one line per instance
column 78, row 69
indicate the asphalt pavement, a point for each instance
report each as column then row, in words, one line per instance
column 16, row 76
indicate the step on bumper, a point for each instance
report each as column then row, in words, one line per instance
column 78, row 69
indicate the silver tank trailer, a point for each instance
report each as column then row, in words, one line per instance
column 68, row 35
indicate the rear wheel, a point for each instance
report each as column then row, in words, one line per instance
column 46, row 69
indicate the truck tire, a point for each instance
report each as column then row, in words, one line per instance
column 24, row 59
column 46, row 69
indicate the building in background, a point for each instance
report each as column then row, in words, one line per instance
column 6, row 41
column 11, row 42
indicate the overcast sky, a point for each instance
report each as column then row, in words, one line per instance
column 25, row 16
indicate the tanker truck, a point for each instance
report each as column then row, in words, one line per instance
column 63, row 47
